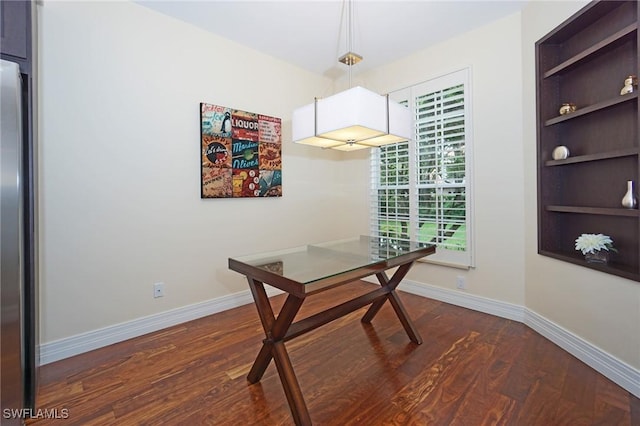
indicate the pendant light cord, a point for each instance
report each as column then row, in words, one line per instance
column 350, row 37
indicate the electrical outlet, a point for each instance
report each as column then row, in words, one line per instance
column 461, row 283
column 158, row 290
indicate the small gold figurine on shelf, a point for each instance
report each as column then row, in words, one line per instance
column 567, row 108
column 630, row 85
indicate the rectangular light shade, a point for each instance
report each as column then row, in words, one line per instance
column 356, row 115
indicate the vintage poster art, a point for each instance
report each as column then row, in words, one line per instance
column 216, row 182
column 270, row 129
column 216, row 151
column 241, row 153
column 215, row 120
column 270, row 183
column 270, row 156
column 244, row 126
column 246, row 183
column 245, row 154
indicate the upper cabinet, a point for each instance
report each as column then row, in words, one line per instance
column 15, row 31
column 584, row 63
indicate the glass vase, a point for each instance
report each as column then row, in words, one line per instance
column 601, row 256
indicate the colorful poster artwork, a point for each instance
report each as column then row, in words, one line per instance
column 269, row 156
column 215, row 120
column 241, row 153
column 216, row 182
column 269, row 129
column 244, row 125
column 270, row 183
column 245, row 154
column 216, row 151
column 246, row 183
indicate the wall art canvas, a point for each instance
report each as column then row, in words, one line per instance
column 241, row 153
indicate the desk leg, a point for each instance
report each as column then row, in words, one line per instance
column 395, row 301
column 290, row 384
column 266, row 317
column 273, row 348
column 404, row 318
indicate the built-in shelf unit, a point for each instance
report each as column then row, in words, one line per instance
column 585, row 61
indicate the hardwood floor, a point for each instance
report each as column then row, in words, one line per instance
column 472, row 369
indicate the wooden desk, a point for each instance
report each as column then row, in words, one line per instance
column 311, row 269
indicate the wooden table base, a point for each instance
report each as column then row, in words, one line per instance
column 279, row 330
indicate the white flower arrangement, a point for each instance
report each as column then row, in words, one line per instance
column 591, row 243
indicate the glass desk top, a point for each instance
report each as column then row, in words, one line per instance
column 314, row 262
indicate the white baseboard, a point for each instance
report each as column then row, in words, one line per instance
column 466, row 300
column 85, row 342
column 606, row 364
column 617, row 371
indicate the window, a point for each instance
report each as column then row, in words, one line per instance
column 421, row 189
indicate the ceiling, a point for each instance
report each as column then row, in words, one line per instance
column 312, row 34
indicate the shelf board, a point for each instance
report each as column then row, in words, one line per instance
column 592, row 108
column 587, row 53
column 626, row 152
column 610, row 268
column 604, row 211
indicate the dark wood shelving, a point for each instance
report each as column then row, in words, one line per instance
column 592, row 108
column 606, row 211
column 585, row 60
column 592, row 51
column 594, row 157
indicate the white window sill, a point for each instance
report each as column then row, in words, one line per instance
column 443, row 262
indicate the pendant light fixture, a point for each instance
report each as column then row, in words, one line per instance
column 353, row 119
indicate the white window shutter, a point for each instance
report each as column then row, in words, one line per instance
column 421, row 189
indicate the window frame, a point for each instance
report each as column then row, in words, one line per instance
column 453, row 258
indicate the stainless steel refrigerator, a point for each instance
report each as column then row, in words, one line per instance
column 18, row 295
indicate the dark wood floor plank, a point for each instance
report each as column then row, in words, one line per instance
column 611, row 406
column 635, row 410
column 579, row 384
column 523, row 374
column 483, row 404
column 472, row 369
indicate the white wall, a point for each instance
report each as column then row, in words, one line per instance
column 600, row 308
column 493, row 53
column 119, row 173
column 120, row 87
